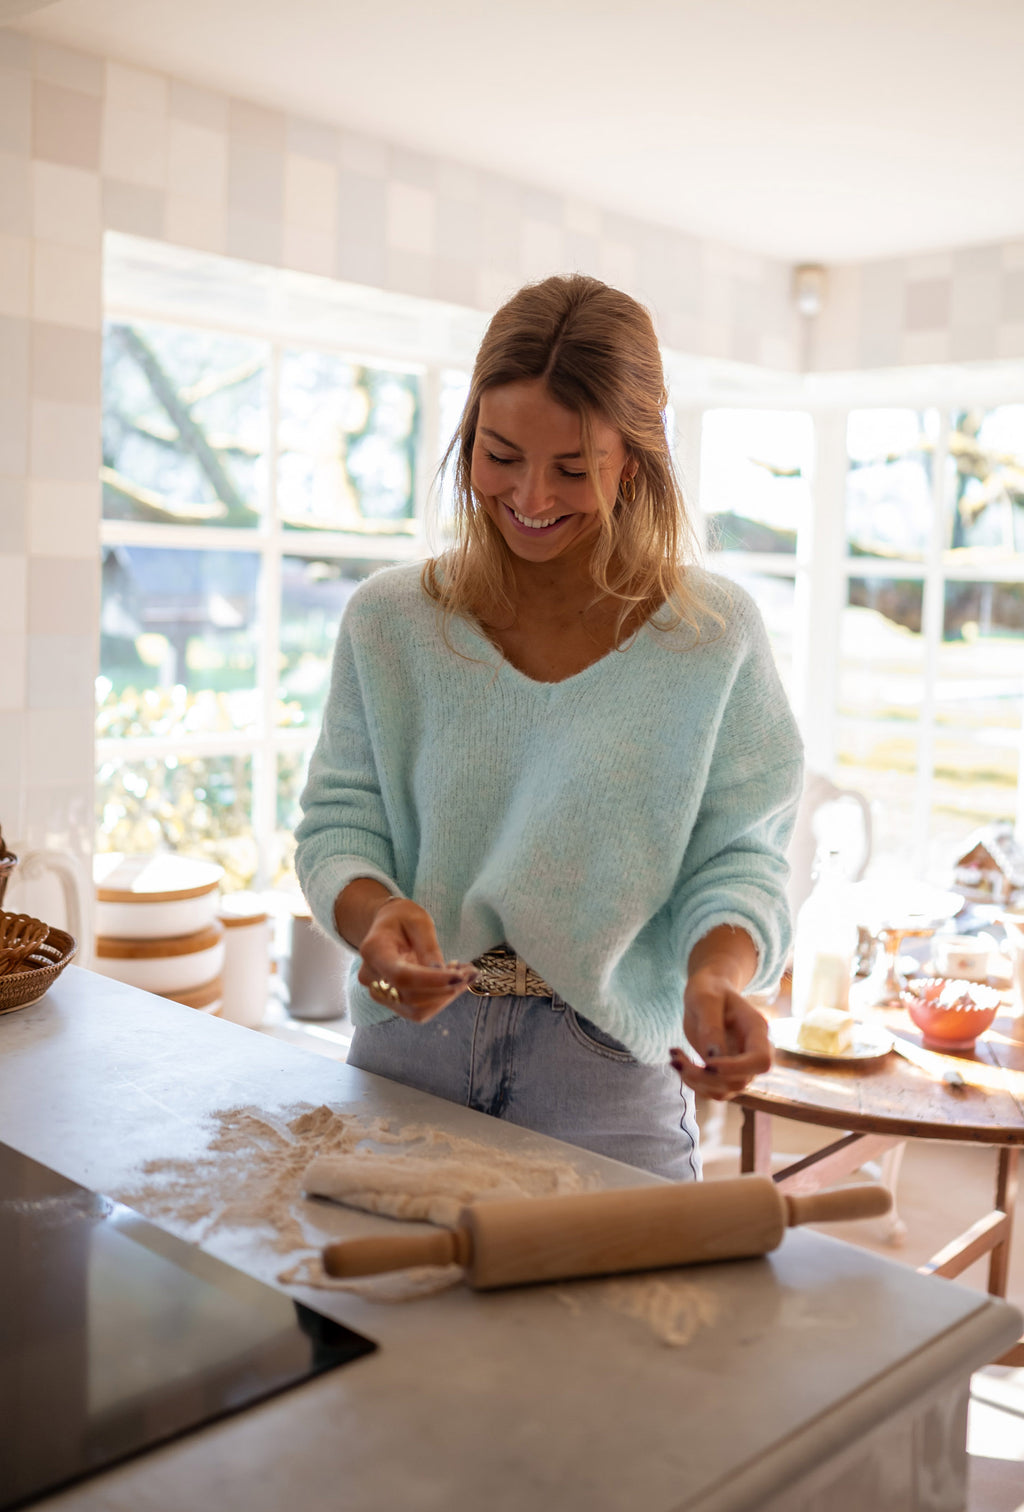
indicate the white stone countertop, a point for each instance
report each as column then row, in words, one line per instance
column 505, row 1400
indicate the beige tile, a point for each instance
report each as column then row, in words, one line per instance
column 310, row 194
column 203, row 107
column 973, row 343
column 1010, row 339
column 928, row 304
column 137, row 89
column 63, row 518
column 257, row 126
column 365, row 154
column 13, row 515
column 409, row 272
column 63, row 596
column 137, row 209
column 197, row 162
column 617, row 264
column 68, row 68
column 308, row 251
column 255, row 180
column 14, row 357
column 975, row 299
column 541, row 248
column 199, row 223
column 14, row 599
column 15, row 51
column 14, row 435
column 13, row 675
column 66, row 363
column 15, row 275
column 921, row 348
column 15, row 195
column 457, row 181
column 254, row 238
column 66, row 205
column 15, row 112
column 135, row 146
column 13, row 734
column 66, row 125
column 64, row 440
column 410, row 219
column 58, row 745
column 67, row 285
column 60, row 671
column 312, row 139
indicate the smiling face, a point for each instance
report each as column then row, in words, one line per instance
column 529, row 471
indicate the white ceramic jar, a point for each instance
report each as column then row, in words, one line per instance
column 246, row 959
column 169, row 966
column 154, row 897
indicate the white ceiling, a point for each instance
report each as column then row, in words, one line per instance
column 811, row 130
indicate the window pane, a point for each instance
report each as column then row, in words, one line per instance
column 184, row 425
column 291, row 778
column 774, row 597
column 889, row 481
column 986, row 476
column 755, row 475
column 313, row 594
column 979, row 705
column 202, row 807
column 178, row 641
column 454, row 391
column 349, row 437
column 881, row 690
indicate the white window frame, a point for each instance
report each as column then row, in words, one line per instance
column 272, row 541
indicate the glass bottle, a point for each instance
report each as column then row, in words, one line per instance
column 824, row 940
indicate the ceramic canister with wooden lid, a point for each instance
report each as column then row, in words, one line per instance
column 154, row 897
column 180, row 963
column 246, row 959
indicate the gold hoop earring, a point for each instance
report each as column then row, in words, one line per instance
column 628, row 489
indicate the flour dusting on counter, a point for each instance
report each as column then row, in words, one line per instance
column 258, row 1167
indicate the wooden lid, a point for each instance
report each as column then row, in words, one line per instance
column 199, row 997
column 241, row 908
column 175, row 945
column 153, row 879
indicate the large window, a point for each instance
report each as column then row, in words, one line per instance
column 900, row 635
column 250, row 483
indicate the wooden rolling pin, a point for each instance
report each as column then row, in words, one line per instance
column 600, row 1233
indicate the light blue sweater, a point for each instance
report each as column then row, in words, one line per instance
column 601, row 825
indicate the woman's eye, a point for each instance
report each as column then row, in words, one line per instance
column 567, row 474
column 501, row 461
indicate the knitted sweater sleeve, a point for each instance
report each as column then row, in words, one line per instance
column 735, row 868
column 344, row 831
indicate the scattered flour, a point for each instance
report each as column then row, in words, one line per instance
column 258, row 1166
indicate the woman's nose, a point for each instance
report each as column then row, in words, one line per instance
column 533, row 493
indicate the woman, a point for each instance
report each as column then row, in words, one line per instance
column 560, row 743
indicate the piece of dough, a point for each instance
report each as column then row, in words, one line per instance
column 407, row 1186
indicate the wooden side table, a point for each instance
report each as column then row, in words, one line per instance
column 880, row 1104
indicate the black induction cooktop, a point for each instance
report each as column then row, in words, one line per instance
column 116, row 1336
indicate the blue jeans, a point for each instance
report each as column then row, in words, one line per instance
column 537, row 1063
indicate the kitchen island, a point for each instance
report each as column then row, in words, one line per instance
column 819, row 1375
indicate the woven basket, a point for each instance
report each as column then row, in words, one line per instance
column 39, row 971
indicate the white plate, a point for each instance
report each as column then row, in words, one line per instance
column 870, row 1042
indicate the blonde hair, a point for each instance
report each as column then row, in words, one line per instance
column 596, row 351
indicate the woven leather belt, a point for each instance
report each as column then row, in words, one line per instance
column 501, row 973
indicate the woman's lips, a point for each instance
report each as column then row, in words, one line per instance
column 534, row 530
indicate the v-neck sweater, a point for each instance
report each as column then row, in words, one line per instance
column 600, row 825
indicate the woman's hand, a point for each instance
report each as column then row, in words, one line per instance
column 727, row 1032
column 402, row 963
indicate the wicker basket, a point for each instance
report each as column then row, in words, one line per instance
column 39, row 971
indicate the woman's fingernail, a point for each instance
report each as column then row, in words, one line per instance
column 712, row 1052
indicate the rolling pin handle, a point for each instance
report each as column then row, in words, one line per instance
column 865, row 1201
column 371, row 1256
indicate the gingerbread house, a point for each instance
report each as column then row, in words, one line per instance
column 991, row 869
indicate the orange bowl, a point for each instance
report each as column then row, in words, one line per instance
column 950, row 1013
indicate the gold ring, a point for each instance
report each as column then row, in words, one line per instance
column 386, row 988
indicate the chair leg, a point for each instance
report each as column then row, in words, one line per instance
column 894, row 1230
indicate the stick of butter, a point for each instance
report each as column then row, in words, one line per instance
column 826, row 1031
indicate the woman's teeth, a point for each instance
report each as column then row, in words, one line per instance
column 536, row 524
